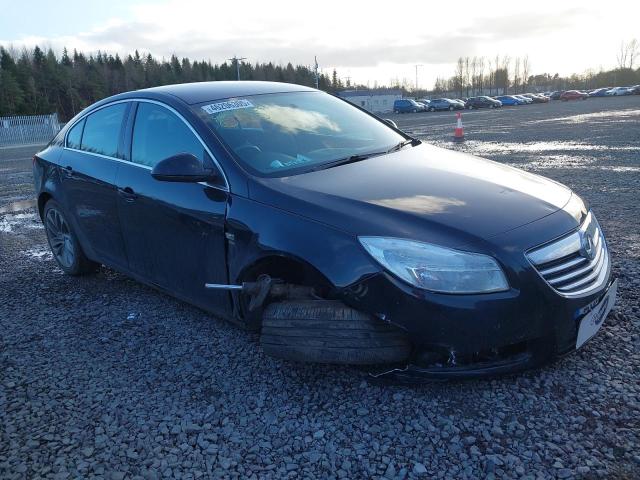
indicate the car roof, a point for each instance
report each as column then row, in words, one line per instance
column 199, row 92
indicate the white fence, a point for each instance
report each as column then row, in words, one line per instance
column 27, row 130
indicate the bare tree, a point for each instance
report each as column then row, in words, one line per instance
column 474, row 75
column 467, row 76
column 516, row 75
column 481, row 75
column 506, row 61
column 622, row 56
column 489, row 66
column 459, row 76
column 526, row 70
column 632, row 51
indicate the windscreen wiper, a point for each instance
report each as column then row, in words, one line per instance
column 404, row 143
column 351, row 159
column 363, row 156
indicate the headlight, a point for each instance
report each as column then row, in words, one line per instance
column 436, row 268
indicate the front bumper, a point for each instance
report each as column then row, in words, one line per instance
column 476, row 343
column 472, row 336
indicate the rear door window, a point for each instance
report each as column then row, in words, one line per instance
column 158, row 134
column 102, row 130
column 75, row 135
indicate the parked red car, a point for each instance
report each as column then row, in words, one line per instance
column 573, row 95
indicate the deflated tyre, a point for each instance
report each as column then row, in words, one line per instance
column 327, row 331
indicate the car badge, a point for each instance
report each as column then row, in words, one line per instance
column 586, row 244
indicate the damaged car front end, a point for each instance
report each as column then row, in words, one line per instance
column 338, row 237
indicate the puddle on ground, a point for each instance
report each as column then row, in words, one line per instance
column 539, row 147
column 38, row 253
column 587, row 117
column 557, row 161
column 11, row 223
column 18, row 206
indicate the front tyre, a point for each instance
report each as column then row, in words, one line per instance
column 450, row 109
column 328, row 331
column 63, row 242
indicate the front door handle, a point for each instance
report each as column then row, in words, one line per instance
column 127, row 193
column 68, row 171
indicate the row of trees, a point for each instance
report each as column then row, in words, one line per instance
column 486, row 75
column 40, row 82
column 504, row 75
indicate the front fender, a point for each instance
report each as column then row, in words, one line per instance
column 256, row 230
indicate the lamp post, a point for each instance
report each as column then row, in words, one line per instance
column 420, row 65
column 237, row 60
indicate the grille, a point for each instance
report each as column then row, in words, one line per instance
column 576, row 264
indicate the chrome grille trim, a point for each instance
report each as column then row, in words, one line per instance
column 576, row 273
column 566, row 265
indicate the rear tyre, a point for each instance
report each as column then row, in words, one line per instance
column 450, row 109
column 431, row 109
column 328, row 331
column 63, row 242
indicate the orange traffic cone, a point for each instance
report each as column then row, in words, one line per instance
column 458, row 136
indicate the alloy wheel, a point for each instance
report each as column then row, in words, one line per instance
column 60, row 239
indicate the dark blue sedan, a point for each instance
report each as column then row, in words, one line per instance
column 338, row 237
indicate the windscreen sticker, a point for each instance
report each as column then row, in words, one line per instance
column 225, row 106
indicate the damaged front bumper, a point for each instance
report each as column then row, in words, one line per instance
column 474, row 336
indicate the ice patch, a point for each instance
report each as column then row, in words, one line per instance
column 38, row 253
column 12, row 222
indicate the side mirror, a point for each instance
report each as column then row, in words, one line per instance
column 391, row 122
column 183, row 167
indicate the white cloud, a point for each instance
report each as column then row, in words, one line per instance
column 367, row 41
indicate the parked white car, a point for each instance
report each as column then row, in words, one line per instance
column 620, row 91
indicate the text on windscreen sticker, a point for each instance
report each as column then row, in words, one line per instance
column 225, row 106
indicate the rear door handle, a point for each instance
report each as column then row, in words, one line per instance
column 127, row 193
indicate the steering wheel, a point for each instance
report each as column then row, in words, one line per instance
column 250, row 149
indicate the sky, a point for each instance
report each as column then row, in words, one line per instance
column 368, row 41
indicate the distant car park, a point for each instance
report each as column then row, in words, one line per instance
column 440, row 104
column 620, row 91
column 510, row 100
column 482, row 102
column 598, row 92
column 536, row 98
column 407, row 105
column 573, row 95
column 525, row 99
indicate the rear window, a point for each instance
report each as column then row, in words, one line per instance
column 102, row 130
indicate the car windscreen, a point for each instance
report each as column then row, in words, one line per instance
column 283, row 134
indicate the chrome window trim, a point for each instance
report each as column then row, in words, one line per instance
column 224, row 187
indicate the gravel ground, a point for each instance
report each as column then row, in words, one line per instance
column 101, row 377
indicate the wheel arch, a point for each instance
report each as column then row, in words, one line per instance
column 43, row 198
column 284, row 266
